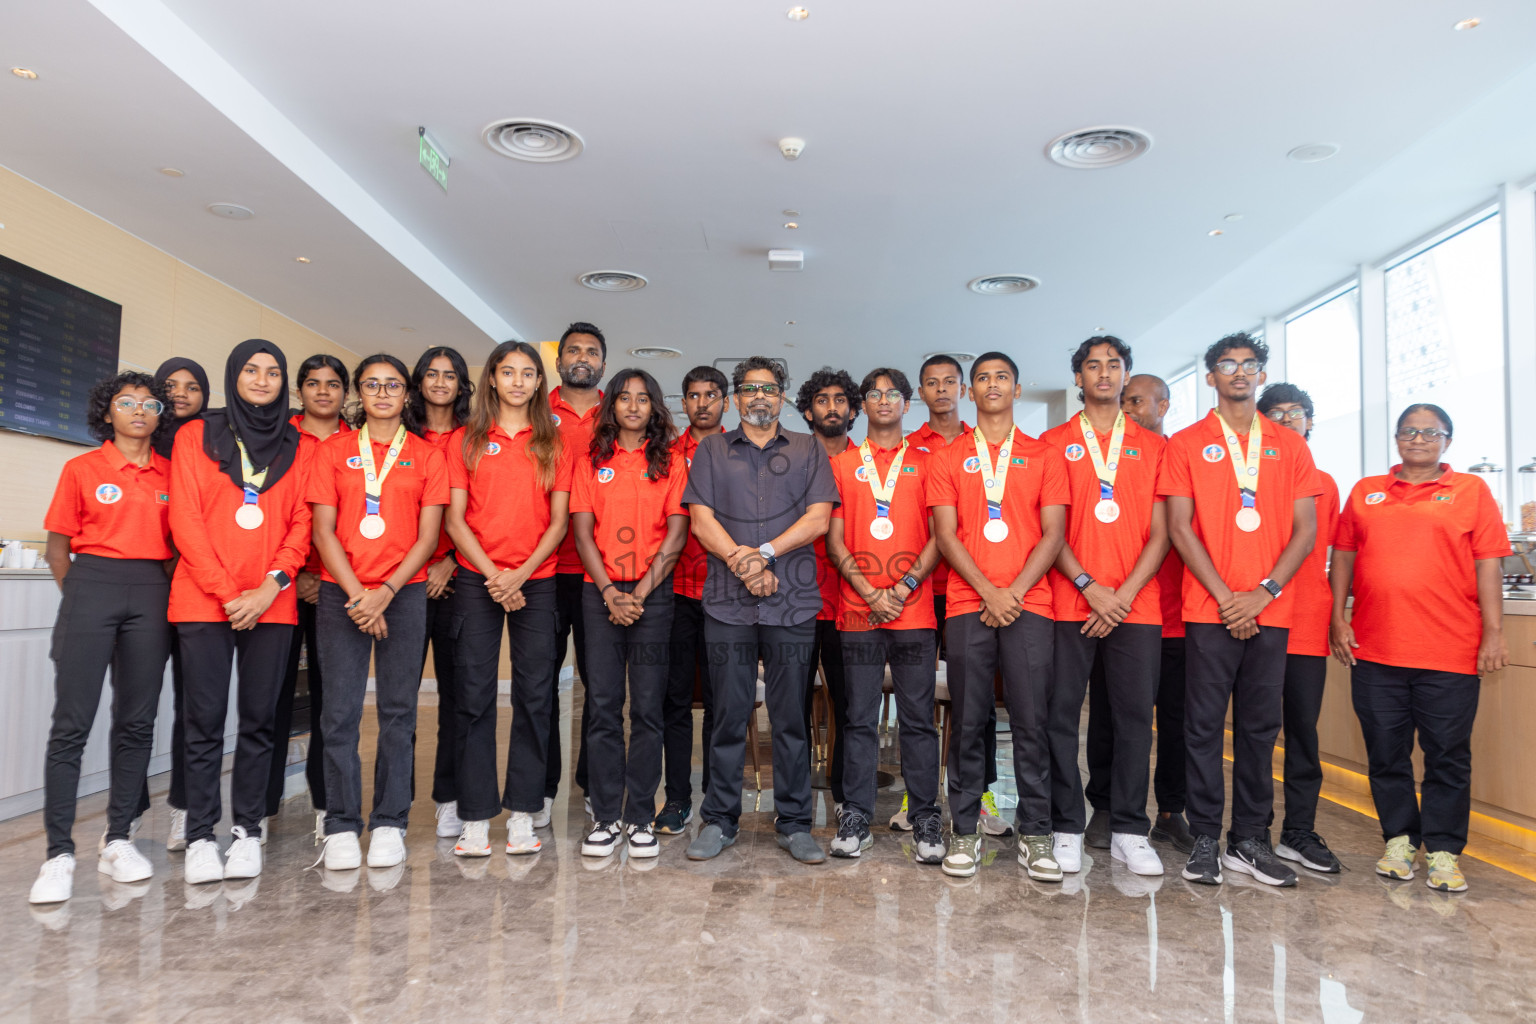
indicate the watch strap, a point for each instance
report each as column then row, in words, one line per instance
column 911, row 581
column 1082, row 581
column 1270, row 585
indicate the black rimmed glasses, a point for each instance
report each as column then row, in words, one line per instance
column 1427, row 433
column 390, row 387
column 1229, row 367
column 153, row 406
column 753, row 390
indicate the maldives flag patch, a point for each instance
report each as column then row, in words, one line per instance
column 1024, row 461
column 1447, row 498
column 1271, row 453
column 162, row 497
column 1131, row 453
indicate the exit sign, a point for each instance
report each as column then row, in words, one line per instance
column 433, row 160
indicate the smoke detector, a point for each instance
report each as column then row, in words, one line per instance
column 231, row 211
column 1095, row 148
column 654, row 352
column 786, row 259
column 612, row 281
column 791, row 148
column 1003, row 284
column 540, row 142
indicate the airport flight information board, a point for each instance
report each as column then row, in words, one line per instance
column 56, row 340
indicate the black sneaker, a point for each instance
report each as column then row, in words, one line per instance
column 1204, row 865
column 853, row 836
column 1174, row 831
column 1098, row 833
column 1308, row 850
column 1252, row 856
column 602, row 840
column 930, row 840
column 674, row 817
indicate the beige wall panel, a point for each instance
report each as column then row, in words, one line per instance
column 1503, row 757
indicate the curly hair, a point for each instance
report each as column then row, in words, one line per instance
column 747, row 365
column 108, row 388
column 1235, row 341
column 826, row 377
column 659, row 431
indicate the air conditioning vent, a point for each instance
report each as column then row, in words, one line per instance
column 1093, row 148
column 1003, row 284
column 612, row 281
column 654, row 352
column 540, row 142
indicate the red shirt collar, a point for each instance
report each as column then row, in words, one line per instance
column 928, row 434
column 1444, row 479
column 687, row 445
column 557, row 401
column 297, row 419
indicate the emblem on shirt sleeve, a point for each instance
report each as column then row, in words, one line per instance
column 1213, row 453
column 1270, row 453
column 1376, row 497
column 972, row 465
column 604, row 475
column 109, row 494
column 1075, row 452
column 1132, row 453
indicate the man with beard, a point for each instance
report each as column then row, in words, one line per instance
column 583, row 354
column 828, row 401
column 758, row 496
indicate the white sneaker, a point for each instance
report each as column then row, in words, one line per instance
column 133, row 830
column 602, row 840
column 448, row 823
column 122, row 862
column 319, row 827
column 244, row 857
column 541, row 819
column 474, row 840
column 1135, row 853
column 203, row 863
column 342, row 852
column 1067, row 848
column 55, row 880
column 520, row 837
column 642, row 840
column 177, row 840
column 386, row 847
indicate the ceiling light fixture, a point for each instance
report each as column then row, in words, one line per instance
column 792, row 225
column 797, row 14
column 612, row 281
column 790, row 322
column 409, row 330
column 1462, row 26
column 964, row 357
column 173, row 172
column 301, row 259
column 1215, row 232
column 26, row 73
column 1095, row 148
column 1314, row 152
column 791, row 213
column 231, row 211
column 1233, row 216
column 1003, row 284
column 655, row 352
column 533, row 140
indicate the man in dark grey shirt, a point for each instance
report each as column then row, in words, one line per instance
column 759, row 496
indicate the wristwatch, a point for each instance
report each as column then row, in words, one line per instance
column 1271, row 586
column 1082, row 582
column 283, row 582
column 911, row 582
column 769, row 558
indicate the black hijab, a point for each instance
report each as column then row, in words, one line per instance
column 270, row 440
column 170, row 366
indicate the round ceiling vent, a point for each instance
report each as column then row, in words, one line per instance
column 1314, row 152
column 654, row 352
column 541, row 142
column 231, row 211
column 1093, row 148
column 1004, row 284
column 612, row 281
column 963, row 357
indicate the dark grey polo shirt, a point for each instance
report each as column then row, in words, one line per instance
column 757, row 494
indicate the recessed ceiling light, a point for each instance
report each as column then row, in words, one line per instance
column 231, row 211
column 26, row 73
column 173, row 172
column 1215, row 232
column 612, row 281
column 1003, row 284
column 301, row 259
column 1313, row 152
column 1233, row 216
column 654, row 352
column 798, row 14
column 791, row 213
column 790, row 322
column 792, row 225
column 409, row 330
column 964, row 357
column 1094, row 148
column 537, row 141
column 1462, row 26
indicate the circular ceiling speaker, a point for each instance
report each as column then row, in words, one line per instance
column 1003, row 284
column 612, row 281
column 540, row 142
column 654, row 352
column 1094, row 148
column 1314, row 152
column 231, row 211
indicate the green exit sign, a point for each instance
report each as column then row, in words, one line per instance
column 433, row 160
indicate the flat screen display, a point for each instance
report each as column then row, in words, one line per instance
column 56, row 341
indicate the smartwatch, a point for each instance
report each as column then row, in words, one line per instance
column 911, row 582
column 1082, row 582
column 769, row 558
column 1271, row 586
column 283, row 582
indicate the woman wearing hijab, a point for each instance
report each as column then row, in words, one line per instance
column 186, row 387
column 242, row 527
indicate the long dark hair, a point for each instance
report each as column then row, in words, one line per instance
column 417, row 402
column 659, row 432
column 545, row 446
column 356, row 415
column 108, row 388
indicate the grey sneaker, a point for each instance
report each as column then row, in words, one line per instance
column 930, row 840
column 1099, row 833
column 803, row 848
column 709, row 842
column 1038, row 858
column 964, row 854
column 853, row 836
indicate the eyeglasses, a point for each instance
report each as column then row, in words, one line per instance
column 391, row 387
column 891, row 394
column 1229, row 367
column 753, row 390
column 1281, row 415
column 1428, row 433
column 153, row 406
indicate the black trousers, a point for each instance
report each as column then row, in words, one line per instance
column 1022, row 652
column 259, row 654
column 177, row 797
column 827, row 651
column 911, row 656
column 1168, row 774
column 939, row 603
column 112, row 615
column 478, row 622
column 689, row 660
column 1129, row 656
column 1303, row 703
column 626, row 783
column 305, row 635
column 1393, row 704
column 734, row 651
column 1250, row 675
column 445, row 759
column 568, row 621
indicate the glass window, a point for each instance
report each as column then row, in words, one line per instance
column 1183, row 399
column 1445, row 339
column 1322, row 357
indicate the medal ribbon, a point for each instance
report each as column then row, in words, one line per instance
column 996, row 478
column 1246, row 470
column 1105, row 468
column 373, row 481
column 253, row 480
column 882, row 494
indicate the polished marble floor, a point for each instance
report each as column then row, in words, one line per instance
column 751, row 936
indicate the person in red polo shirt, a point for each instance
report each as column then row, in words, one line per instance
column 242, row 527
column 439, row 395
column 110, row 510
column 1104, row 597
column 1306, row 656
column 377, row 495
column 581, row 358
column 509, row 475
column 630, row 525
column 881, row 542
column 1240, row 492
column 999, row 512
column 704, row 389
column 1421, row 547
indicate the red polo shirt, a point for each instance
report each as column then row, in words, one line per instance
column 629, row 507
column 929, row 442
column 828, row 580
column 308, row 443
column 1197, row 465
column 439, row 440
column 507, row 509
column 883, row 562
column 577, row 429
column 110, row 507
column 1037, row 477
column 1170, row 594
column 693, row 566
column 419, row 478
column 1108, row 551
column 1313, row 610
column 1415, row 582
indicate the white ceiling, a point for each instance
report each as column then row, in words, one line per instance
column 925, row 125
